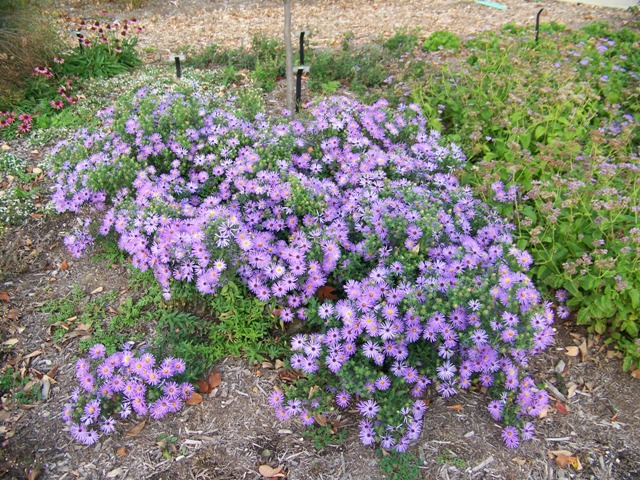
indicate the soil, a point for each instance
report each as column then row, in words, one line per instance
column 595, row 414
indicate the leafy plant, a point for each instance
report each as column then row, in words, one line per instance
column 558, row 157
column 395, row 466
column 401, row 42
column 441, row 40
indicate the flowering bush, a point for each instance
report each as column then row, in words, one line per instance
column 429, row 288
column 119, row 384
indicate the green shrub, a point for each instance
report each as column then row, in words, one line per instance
column 441, row 40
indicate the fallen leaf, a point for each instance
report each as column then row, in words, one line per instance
column 519, row 460
column 64, row 265
column 33, row 354
column 270, row 472
column 36, row 215
column 11, row 342
column 194, row 399
column 280, row 364
column 214, row 380
column 5, row 147
column 583, row 350
column 4, row 297
column 457, row 407
column 289, row 376
column 636, row 373
column 13, row 314
column 115, row 472
column 321, row 419
column 135, row 431
column 53, row 372
column 97, row 290
column 122, row 451
column 563, row 461
column 572, row 351
column 561, row 408
column 203, row 386
column 326, row 293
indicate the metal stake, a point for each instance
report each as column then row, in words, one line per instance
column 299, row 74
column 178, row 71
column 538, row 24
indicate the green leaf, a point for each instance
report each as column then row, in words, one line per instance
column 626, row 363
column 570, row 287
column 539, row 132
column 584, row 316
column 560, row 254
column 634, row 295
column 631, row 328
column 589, row 282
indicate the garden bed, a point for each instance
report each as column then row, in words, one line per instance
column 233, row 431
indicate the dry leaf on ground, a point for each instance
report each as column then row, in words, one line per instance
column 269, row 472
column 194, row 399
column 135, row 431
column 4, row 297
column 572, row 351
column 561, row 408
column 214, row 380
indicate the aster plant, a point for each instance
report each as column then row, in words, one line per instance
column 431, row 292
column 115, row 386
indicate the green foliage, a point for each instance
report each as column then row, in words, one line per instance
column 402, row 42
column 324, row 436
column 12, row 383
column 265, row 59
column 448, row 457
column 560, row 121
column 18, row 193
column 441, row 40
column 233, row 322
column 399, row 466
column 362, row 69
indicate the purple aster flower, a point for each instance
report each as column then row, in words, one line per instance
column 97, row 351
column 446, row 371
column 510, row 437
column 495, row 409
column 307, row 418
column 108, row 425
column 186, row 390
column 92, row 409
column 276, row 398
column 368, row 408
column 528, row 431
column 67, row 412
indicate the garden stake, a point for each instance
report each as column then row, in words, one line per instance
column 298, row 89
column 299, row 71
column 538, row 24
column 178, row 71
